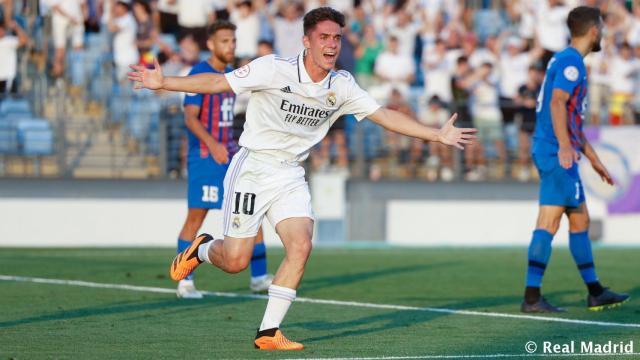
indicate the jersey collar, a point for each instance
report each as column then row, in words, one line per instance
column 303, row 75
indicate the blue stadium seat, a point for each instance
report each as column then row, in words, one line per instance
column 35, row 137
column 8, row 138
column 10, row 107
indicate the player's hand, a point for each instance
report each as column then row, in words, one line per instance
column 567, row 155
column 146, row 78
column 458, row 137
column 602, row 171
column 219, row 153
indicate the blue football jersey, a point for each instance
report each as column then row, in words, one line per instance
column 565, row 71
column 216, row 115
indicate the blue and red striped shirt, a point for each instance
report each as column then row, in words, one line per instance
column 216, row 116
column 566, row 71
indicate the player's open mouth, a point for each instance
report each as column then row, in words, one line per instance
column 330, row 56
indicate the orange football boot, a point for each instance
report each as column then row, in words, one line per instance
column 187, row 261
column 273, row 339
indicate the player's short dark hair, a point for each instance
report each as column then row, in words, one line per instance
column 313, row 17
column 582, row 18
column 220, row 25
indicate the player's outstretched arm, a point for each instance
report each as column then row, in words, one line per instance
column 403, row 124
column 205, row 83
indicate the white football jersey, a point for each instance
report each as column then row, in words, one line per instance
column 288, row 113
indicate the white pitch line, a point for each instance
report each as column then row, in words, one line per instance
column 318, row 301
column 487, row 356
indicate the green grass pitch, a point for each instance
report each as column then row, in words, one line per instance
column 56, row 321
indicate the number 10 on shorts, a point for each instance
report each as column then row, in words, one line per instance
column 248, row 203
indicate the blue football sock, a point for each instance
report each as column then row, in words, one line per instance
column 580, row 246
column 259, row 260
column 539, row 253
column 182, row 246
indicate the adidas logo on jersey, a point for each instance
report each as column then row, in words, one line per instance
column 286, row 89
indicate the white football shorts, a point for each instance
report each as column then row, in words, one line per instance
column 257, row 185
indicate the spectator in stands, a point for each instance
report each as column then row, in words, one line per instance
column 633, row 34
column 265, row 47
column 487, row 118
column 92, row 21
column 526, row 101
column 459, row 91
column 146, row 33
column 193, row 18
column 401, row 26
column 67, row 24
column 366, row 54
column 395, row 69
column 437, row 72
column 551, row 27
column 166, row 16
column 440, row 160
column 599, row 82
column 180, row 63
column 623, row 69
column 398, row 146
column 9, row 45
column 513, row 67
column 6, row 12
column 246, row 19
column 287, row 28
column 125, row 51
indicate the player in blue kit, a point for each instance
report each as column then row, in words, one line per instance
column 557, row 143
column 209, row 119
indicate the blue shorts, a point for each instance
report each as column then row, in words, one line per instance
column 558, row 186
column 205, row 179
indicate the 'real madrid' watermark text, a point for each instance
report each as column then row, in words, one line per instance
column 580, row 347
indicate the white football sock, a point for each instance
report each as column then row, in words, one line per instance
column 203, row 251
column 280, row 299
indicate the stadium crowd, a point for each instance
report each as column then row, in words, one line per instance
column 483, row 59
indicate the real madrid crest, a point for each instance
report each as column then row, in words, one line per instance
column 331, row 99
column 236, row 223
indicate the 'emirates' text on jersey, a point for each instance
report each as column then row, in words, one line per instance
column 288, row 113
column 216, row 116
column 566, row 71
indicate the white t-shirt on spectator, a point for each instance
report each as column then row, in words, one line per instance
column 218, row 4
column 394, row 67
column 484, row 102
column 9, row 59
column 406, row 36
column 166, row 6
column 633, row 35
column 125, row 51
column 72, row 8
column 513, row 72
column 598, row 68
column 288, row 36
column 288, row 113
column 551, row 27
column 622, row 74
column 482, row 56
column 437, row 75
column 194, row 13
column 247, row 33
